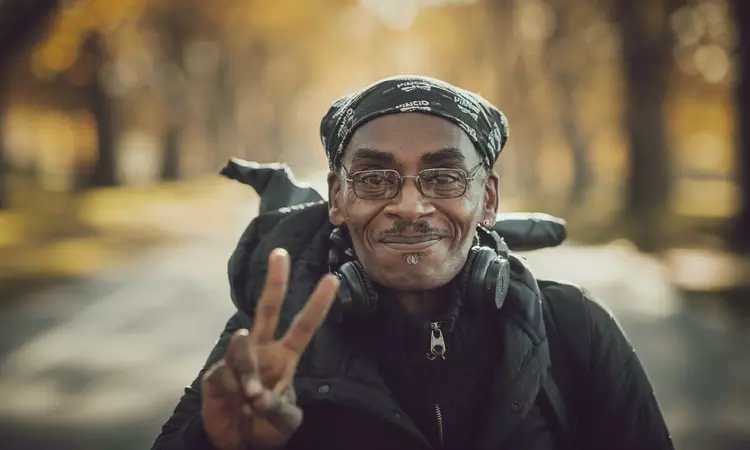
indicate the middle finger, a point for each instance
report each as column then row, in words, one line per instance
column 311, row 317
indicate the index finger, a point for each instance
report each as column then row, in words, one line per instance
column 307, row 321
column 267, row 313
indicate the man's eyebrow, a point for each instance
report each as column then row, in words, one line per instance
column 373, row 154
column 449, row 153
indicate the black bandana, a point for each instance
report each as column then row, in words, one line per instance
column 486, row 125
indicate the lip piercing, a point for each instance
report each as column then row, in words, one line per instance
column 412, row 258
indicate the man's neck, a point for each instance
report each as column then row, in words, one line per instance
column 425, row 304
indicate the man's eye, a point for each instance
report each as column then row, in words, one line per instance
column 374, row 179
column 442, row 178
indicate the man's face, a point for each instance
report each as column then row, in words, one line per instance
column 436, row 232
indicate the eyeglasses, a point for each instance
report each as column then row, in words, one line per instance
column 431, row 183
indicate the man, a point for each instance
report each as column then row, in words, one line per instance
column 440, row 338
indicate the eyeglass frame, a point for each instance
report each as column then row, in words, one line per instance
column 470, row 176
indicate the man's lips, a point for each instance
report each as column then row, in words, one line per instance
column 410, row 240
column 410, row 243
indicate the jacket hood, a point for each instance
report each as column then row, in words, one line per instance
column 274, row 183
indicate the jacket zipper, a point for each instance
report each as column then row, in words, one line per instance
column 439, row 416
column 437, row 349
column 437, row 342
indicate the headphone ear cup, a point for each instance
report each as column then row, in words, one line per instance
column 497, row 281
column 358, row 298
column 499, row 272
column 480, row 285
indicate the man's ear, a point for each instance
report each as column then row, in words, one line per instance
column 489, row 208
column 335, row 212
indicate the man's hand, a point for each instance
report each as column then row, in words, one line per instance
column 248, row 397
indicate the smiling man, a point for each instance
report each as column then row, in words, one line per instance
column 439, row 338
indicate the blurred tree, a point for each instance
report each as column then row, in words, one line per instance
column 3, row 166
column 173, row 29
column 647, row 45
column 104, row 171
column 511, row 42
column 568, row 64
column 18, row 20
column 740, row 234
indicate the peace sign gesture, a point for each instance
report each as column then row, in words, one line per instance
column 248, row 397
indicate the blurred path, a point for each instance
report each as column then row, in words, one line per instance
column 99, row 364
column 66, row 238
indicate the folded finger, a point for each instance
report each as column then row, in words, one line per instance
column 242, row 360
column 283, row 414
column 219, row 381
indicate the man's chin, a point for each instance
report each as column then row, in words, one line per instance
column 419, row 277
column 410, row 271
column 415, row 285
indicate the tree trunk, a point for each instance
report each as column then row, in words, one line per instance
column 104, row 172
column 170, row 168
column 647, row 62
column 513, row 87
column 19, row 22
column 740, row 233
column 3, row 166
column 580, row 154
column 567, row 77
column 174, row 33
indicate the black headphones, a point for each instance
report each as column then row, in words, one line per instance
column 483, row 282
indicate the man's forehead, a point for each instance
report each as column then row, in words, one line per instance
column 403, row 137
column 451, row 154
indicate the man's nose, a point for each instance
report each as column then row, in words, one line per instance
column 410, row 205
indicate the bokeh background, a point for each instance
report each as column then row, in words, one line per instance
column 629, row 118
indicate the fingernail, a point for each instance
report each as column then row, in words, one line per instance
column 279, row 252
column 253, row 387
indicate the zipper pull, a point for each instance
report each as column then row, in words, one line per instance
column 437, row 342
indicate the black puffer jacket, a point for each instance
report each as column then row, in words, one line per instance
column 352, row 400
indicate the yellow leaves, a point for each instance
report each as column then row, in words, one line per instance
column 52, row 59
column 60, row 50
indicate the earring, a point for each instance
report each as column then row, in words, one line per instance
column 486, row 223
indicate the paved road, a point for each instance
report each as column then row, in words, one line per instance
column 99, row 363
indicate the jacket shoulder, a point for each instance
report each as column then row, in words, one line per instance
column 576, row 323
column 573, row 303
column 277, row 228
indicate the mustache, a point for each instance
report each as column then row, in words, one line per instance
column 420, row 227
